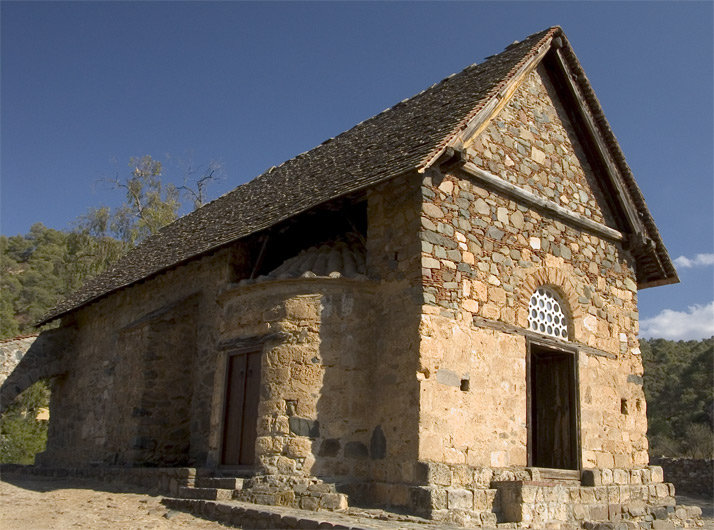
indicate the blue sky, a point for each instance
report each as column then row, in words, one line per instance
column 85, row 86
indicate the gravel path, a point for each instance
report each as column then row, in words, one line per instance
column 41, row 503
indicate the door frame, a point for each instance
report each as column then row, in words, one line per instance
column 574, row 355
column 256, row 347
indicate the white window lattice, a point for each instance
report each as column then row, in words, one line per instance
column 545, row 314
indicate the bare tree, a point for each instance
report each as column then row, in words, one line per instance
column 197, row 180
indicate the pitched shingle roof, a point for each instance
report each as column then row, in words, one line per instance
column 403, row 138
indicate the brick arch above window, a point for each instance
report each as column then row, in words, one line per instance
column 559, row 282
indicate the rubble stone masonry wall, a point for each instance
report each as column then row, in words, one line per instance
column 339, row 394
column 11, row 351
column 689, row 475
column 140, row 380
column 483, row 256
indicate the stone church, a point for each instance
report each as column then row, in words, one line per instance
column 435, row 311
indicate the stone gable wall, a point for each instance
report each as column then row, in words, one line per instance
column 483, row 255
column 532, row 144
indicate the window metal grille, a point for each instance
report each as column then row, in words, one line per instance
column 545, row 314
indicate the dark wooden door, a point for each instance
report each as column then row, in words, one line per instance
column 241, row 409
column 553, row 414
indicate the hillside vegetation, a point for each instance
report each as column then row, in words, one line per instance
column 679, row 387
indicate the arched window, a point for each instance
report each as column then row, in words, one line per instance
column 546, row 315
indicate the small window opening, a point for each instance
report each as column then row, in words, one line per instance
column 465, row 385
column 623, row 406
column 546, row 314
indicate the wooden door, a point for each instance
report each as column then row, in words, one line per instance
column 553, row 409
column 241, row 409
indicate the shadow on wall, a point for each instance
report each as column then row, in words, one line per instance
column 366, row 430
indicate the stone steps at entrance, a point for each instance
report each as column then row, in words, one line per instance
column 227, row 483
column 191, row 492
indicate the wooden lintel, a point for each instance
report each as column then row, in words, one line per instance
column 568, row 346
column 539, row 203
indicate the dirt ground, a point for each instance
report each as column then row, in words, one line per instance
column 41, row 503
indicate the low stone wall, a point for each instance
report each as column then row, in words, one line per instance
column 689, row 475
column 11, row 352
column 166, row 480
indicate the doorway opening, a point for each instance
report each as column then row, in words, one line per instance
column 553, row 434
column 240, row 415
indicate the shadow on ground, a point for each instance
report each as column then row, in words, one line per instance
column 44, row 484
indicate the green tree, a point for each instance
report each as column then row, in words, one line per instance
column 22, row 435
column 679, row 388
column 149, row 204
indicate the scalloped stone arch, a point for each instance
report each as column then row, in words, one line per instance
column 561, row 284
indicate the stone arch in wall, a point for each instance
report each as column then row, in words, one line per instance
column 562, row 286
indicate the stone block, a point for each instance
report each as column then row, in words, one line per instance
column 599, row 512
column 620, row 476
column 606, row 476
column 661, row 490
column 488, row 519
column 308, row 502
column 308, row 524
column 587, row 495
column 462, row 476
column 657, row 474
column 421, row 501
column 459, row 499
column 659, row 524
column 581, row 512
column 481, row 500
column 304, row 427
column 601, row 494
column 434, row 473
column 529, row 493
column 333, row 501
column 636, row 509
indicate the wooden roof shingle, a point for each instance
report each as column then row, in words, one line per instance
column 402, row 138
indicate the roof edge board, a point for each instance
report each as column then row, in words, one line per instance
column 602, row 150
column 631, row 188
column 500, row 95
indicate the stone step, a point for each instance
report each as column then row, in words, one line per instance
column 566, row 477
column 212, row 494
column 247, row 516
column 228, row 472
column 227, row 483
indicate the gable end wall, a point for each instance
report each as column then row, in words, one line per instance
column 483, row 255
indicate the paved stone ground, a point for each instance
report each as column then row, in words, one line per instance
column 40, row 503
